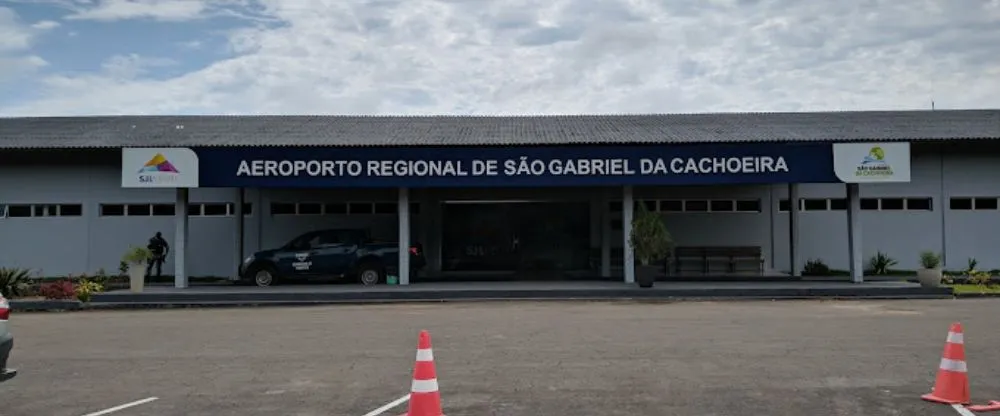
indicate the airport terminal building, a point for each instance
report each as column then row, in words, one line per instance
column 525, row 195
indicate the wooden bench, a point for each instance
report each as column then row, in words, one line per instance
column 703, row 259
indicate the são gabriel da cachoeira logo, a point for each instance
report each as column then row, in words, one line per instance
column 874, row 164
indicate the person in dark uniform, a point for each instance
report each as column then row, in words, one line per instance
column 159, row 247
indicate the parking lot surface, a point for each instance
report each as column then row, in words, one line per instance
column 512, row 358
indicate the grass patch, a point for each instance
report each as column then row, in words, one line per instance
column 968, row 288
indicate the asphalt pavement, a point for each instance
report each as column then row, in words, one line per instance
column 503, row 358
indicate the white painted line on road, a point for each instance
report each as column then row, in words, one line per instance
column 388, row 407
column 122, row 407
column 962, row 410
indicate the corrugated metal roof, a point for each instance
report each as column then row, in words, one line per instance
column 190, row 131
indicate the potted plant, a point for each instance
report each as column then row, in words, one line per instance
column 930, row 273
column 651, row 242
column 136, row 259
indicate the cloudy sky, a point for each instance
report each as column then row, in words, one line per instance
column 72, row 57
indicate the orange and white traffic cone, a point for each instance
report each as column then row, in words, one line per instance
column 425, row 399
column 952, row 383
column 991, row 407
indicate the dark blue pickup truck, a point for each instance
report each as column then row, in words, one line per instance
column 337, row 254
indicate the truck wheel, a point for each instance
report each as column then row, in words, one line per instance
column 263, row 276
column 370, row 274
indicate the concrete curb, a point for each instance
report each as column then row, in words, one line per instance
column 977, row 295
column 230, row 300
column 465, row 294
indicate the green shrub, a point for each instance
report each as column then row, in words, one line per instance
column 650, row 238
column 930, row 260
column 136, row 255
column 980, row 278
column 14, row 282
column 85, row 289
column 880, row 263
column 971, row 265
column 815, row 267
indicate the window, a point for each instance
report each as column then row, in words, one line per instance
column 112, row 210
column 70, row 210
column 838, row 204
column 748, row 205
column 164, row 210
column 339, row 208
column 979, row 203
column 338, row 237
column 671, row 206
column 815, row 204
column 216, row 210
column 892, row 204
column 335, row 209
column 650, row 205
column 44, row 210
column 355, row 208
column 40, row 210
column 615, row 206
column 310, row 208
column 985, row 203
column 282, row 209
column 722, row 205
column 386, row 208
column 919, row 204
column 247, row 209
column 960, row 204
column 206, row 209
column 139, row 210
column 695, row 206
column 784, row 206
column 869, row 204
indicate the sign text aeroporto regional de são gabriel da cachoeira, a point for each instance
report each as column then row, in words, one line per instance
column 522, row 166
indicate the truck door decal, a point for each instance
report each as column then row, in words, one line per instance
column 302, row 262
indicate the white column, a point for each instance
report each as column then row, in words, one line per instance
column 793, row 229
column 181, row 239
column 605, row 236
column 629, row 258
column 404, row 236
column 240, row 231
column 854, row 232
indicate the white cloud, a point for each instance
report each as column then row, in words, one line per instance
column 13, row 36
column 15, row 43
column 564, row 56
column 160, row 10
column 45, row 25
column 191, row 44
column 167, row 10
column 127, row 67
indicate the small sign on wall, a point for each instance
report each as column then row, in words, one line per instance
column 872, row 162
column 171, row 167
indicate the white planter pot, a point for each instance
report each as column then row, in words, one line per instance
column 929, row 277
column 136, row 277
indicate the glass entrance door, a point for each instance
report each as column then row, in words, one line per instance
column 516, row 236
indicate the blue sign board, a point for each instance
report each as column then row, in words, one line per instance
column 711, row 164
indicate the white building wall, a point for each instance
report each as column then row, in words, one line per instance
column 62, row 245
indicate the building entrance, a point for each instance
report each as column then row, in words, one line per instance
column 515, row 236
